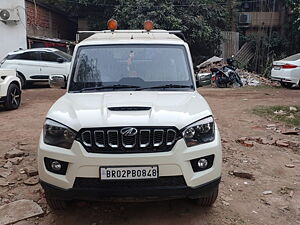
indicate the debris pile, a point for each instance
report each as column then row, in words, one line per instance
column 253, row 79
column 248, row 78
column 210, row 63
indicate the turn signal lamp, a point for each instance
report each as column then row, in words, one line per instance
column 148, row 25
column 112, row 24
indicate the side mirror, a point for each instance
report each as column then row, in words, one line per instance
column 57, row 81
column 60, row 60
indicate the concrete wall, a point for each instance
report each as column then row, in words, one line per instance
column 13, row 35
column 43, row 22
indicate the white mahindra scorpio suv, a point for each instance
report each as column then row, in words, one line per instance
column 131, row 124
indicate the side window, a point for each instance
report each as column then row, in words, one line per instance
column 11, row 57
column 49, row 57
column 35, row 56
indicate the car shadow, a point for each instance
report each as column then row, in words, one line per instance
column 37, row 85
column 158, row 212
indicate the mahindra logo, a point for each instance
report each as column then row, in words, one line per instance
column 129, row 131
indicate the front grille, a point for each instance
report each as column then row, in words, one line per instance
column 90, row 183
column 128, row 139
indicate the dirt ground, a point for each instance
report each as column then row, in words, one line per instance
column 241, row 201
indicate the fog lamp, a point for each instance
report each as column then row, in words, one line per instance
column 202, row 163
column 56, row 166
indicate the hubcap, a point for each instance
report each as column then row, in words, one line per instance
column 15, row 97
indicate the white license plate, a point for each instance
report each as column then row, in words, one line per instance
column 128, row 173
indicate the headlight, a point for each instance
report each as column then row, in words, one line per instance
column 58, row 135
column 200, row 132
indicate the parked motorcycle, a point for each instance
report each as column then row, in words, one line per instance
column 227, row 75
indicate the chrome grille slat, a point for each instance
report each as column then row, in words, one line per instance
column 158, row 137
column 128, row 142
column 113, row 138
column 99, row 138
column 171, row 136
column 145, row 140
column 87, row 138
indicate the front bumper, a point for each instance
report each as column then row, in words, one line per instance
column 177, row 162
column 95, row 190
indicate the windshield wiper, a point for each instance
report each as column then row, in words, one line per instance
column 165, row 86
column 116, row 86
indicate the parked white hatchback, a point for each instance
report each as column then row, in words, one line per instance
column 287, row 71
column 37, row 64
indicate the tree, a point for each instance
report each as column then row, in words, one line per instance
column 293, row 26
column 200, row 20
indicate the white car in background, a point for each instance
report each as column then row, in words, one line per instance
column 37, row 64
column 10, row 89
column 287, row 71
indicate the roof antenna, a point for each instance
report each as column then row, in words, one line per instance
column 131, row 37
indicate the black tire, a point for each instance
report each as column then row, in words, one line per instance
column 239, row 80
column 219, row 82
column 22, row 79
column 56, row 204
column 13, row 98
column 209, row 200
column 286, row 84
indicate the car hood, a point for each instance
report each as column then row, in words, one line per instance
column 91, row 110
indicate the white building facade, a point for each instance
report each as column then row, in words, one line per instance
column 12, row 30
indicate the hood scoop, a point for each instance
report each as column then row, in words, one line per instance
column 129, row 108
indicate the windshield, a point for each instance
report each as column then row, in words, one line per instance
column 131, row 67
column 64, row 55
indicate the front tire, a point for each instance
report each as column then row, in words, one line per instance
column 286, row 84
column 56, row 204
column 13, row 99
column 209, row 200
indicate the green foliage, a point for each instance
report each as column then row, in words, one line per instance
column 293, row 26
column 200, row 20
column 267, row 49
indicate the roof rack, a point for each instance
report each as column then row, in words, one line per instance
column 178, row 33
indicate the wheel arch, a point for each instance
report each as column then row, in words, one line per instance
column 16, row 82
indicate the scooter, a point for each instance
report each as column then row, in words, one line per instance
column 226, row 76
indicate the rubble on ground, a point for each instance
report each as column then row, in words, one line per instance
column 265, row 141
column 242, row 174
column 253, row 79
column 31, row 171
column 32, row 181
column 211, row 62
column 14, row 153
column 19, row 210
column 267, row 192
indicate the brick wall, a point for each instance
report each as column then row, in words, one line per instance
column 43, row 22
